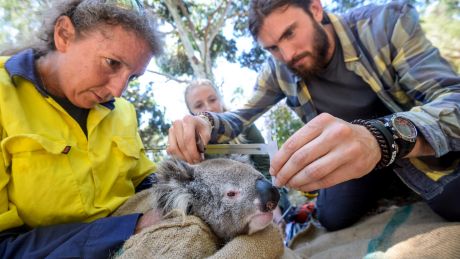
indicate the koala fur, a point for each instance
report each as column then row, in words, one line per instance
column 224, row 193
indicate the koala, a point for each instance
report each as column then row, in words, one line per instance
column 230, row 196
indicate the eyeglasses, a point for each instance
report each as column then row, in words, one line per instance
column 135, row 5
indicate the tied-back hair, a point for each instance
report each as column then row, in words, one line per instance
column 259, row 9
column 87, row 15
column 200, row 82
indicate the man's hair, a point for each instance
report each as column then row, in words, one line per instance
column 259, row 9
column 88, row 15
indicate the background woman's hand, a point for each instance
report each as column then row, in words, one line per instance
column 183, row 136
column 323, row 153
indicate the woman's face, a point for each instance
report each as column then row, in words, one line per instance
column 203, row 98
column 98, row 66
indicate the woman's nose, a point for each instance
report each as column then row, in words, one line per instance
column 207, row 107
column 118, row 85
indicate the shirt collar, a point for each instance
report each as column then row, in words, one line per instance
column 23, row 65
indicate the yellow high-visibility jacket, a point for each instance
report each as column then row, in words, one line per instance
column 50, row 171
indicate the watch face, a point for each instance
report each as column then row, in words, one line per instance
column 405, row 128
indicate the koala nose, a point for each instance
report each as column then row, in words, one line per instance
column 269, row 195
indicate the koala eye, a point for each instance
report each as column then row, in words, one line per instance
column 231, row 194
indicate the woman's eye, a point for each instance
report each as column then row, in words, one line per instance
column 113, row 64
column 133, row 77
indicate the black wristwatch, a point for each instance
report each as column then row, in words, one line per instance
column 404, row 133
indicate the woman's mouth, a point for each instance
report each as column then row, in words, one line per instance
column 98, row 98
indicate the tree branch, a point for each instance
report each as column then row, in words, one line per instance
column 211, row 31
column 169, row 77
column 188, row 46
column 216, row 27
column 191, row 25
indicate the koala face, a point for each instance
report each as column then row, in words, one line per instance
column 231, row 196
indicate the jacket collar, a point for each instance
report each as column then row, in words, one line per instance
column 23, row 65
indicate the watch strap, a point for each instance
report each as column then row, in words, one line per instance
column 404, row 147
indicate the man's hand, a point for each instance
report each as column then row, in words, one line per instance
column 149, row 218
column 183, row 136
column 323, row 153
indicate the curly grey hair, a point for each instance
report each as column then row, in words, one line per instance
column 88, row 15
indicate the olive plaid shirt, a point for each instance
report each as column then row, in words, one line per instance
column 387, row 48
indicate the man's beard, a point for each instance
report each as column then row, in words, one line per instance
column 319, row 54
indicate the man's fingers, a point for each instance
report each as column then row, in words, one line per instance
column 308, row 153
column 341, row 174
column 190, row 128
column 292, row 145
column 180, row 144
column 187, row 137
column 175, row 137
column 317, row 170
column 303, row 136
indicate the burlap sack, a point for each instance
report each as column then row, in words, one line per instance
column 263, row 244
column 175, row 237
column 181, row 236
column 413, row 231
column 139, row 203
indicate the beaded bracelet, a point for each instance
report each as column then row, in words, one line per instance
column 207, row 117
column 384, row 139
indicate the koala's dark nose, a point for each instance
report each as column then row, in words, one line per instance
column 269, row 195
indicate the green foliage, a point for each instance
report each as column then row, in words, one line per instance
column 175, row 62
column 254, row 58
column 19, row 20
column 283, row 123
column 441, row 23
column 224, row 47
column 196, row 34
column 153, row 126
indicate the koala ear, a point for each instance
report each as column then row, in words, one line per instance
column 175, row 169
column 171, row 192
